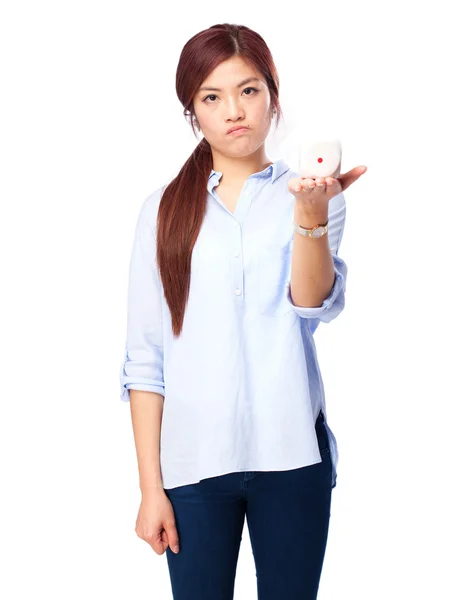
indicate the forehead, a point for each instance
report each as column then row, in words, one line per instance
column 237, row 85
column 231, row 73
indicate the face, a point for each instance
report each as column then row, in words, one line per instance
column 233, row 104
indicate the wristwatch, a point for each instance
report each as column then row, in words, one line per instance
column 316, row 232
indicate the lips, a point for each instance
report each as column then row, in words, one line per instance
column 236, row 128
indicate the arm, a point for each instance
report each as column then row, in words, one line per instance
column 146, row 409
column 318, row 275
column 142, row 374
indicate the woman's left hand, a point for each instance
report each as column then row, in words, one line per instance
column 313, row 194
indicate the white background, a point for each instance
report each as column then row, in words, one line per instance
column 90, row 126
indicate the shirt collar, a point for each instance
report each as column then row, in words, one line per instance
column 274, row 171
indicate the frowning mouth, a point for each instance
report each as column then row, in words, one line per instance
column 238, row 131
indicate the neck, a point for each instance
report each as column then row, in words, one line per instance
column 238, row 169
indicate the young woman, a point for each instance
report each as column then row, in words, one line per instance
column 226, row 289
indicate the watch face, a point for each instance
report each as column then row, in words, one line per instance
column 318, row 232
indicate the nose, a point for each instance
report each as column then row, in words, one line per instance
column 234, row 111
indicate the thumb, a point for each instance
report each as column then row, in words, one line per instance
column 351, row 176
column 173, row 536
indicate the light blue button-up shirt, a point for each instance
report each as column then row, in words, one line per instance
column 242, row 386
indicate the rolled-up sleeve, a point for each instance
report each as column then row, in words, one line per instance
column 333, row 305
column 142, row 366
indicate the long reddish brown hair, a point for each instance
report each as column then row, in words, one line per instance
column 183, row 201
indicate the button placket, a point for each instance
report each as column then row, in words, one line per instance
column 238, row 271
column 241, row 211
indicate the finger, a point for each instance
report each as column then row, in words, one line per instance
column 307, row 183
column 156, row 542
column 321, row 183
column 165, row 542
column 159, row 547
column 293, row 183
column 300, row 184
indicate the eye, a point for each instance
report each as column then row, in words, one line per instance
column 214, row 95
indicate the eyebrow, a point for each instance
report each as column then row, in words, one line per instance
column 243, row 82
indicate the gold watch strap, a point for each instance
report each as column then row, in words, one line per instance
column 310, row 232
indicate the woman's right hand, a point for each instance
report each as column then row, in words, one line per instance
column 156, row 523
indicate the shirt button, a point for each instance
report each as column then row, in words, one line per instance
column 236, row 254
column 236, row 224
column 238, row 292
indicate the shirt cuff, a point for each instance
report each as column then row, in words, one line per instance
column 136, row 382
column 125, row 393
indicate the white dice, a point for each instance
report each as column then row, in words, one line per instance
column 319, row 157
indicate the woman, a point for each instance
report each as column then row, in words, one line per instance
column 220, row 367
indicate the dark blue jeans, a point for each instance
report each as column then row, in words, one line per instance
column 287, row 513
